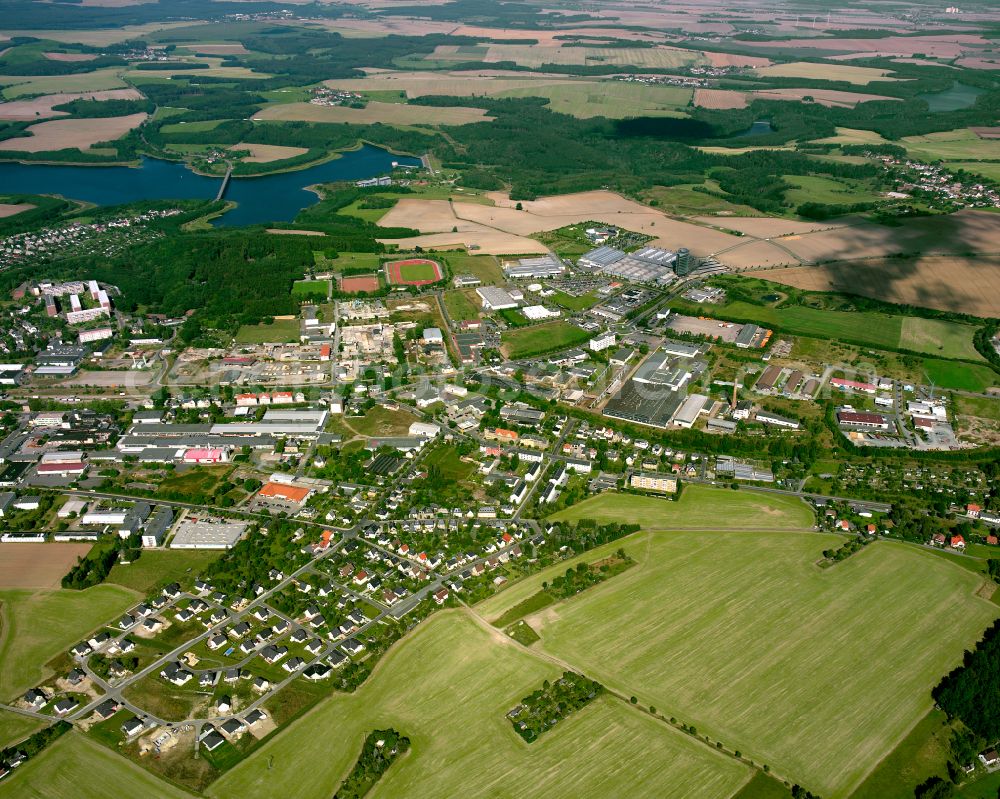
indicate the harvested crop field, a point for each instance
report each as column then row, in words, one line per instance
column 454, row 84
column 484, row 242
column 62, row 134
column 611, row 99
column 719, row 98
column 265, row 153
column 41, row 107
column 37, row 565
column 766, row 227
column 844, row 72
column 12, row 209
column 827, row 97
column 534, row 56
column 359, row 284
column 962, row 232
column 946, row 283
column 233, row 48
column 30, row 85
column 386, row 113
column 936, row 46
column 735, row 60
column 70, row 57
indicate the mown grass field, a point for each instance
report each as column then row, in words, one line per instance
column 952, row 145
column 699, row 507
column 482, row 266
column 306, row 287
column 960, row 376
column 947, row 339
column 862, row 327
column 279, row 331
column 447, row 686
column 818, row 673
column 36, row 626
column 75, row 766
column 813, row 188
column 541, row 338
column 158, row 567
column 461, row 304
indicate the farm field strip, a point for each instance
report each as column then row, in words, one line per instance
column 743, row 636
column 463, row 745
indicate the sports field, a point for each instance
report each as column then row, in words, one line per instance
column 699, row 507
column 83, row 769
column 547, row 337
column 447, row 686
column 310, row 287
column 413, row 272
column 359, row 284
column 818, row 673
column 36, row 626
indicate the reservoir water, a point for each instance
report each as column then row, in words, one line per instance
column 954, row 98
column 758, row 128
column 270, row 198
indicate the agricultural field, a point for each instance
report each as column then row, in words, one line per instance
column 611, row 99
column 31, row 85
column 385, row 113
column 699, row 507
column 15, row 727
column 37, row 565
column 461, row 743
column 280, row 330
column 541, row 338
column 266, row 153
column 825, row 71
column 42, row 107
column 942, row 282
column 719, row 98
column 535, row 55
column 79, row 767
column 157, row 567
column 831, row 191
column 743, row 636
column 38, row 626
column 459, row 84
column 62, row 134
column 952, row 145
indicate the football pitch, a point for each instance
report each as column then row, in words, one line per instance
column 447, row 686
column 818, row 673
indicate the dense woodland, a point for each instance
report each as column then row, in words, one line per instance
column 972, row 691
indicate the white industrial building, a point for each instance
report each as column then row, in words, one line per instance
column 496, row 299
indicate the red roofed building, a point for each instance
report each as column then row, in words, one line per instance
column 289, row 493
column 972, row 511
column 205, row 456
column 324, row 352
column 957, row 542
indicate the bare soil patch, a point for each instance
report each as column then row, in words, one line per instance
column 71, row 57
column 61, row 134
column 734, row 60
column 946, row 283
column 987, row 133
column 265, row 153
column 20, row 110
column 233, row 48
column 358, row 284
column 719, row 98
column 12, row 209
column 37, row 565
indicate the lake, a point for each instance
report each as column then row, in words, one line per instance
column 958, row 96
column 270, row 198
column 758, row 128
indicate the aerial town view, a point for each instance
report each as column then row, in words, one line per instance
column 571, row 399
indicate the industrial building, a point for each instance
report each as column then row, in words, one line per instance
column 496, row 299
column 848, row 417
column 525, row 268
column 689, row 411
column 207, row 534
column 600, row 258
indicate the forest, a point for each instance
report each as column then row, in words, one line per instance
column 971, row 692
